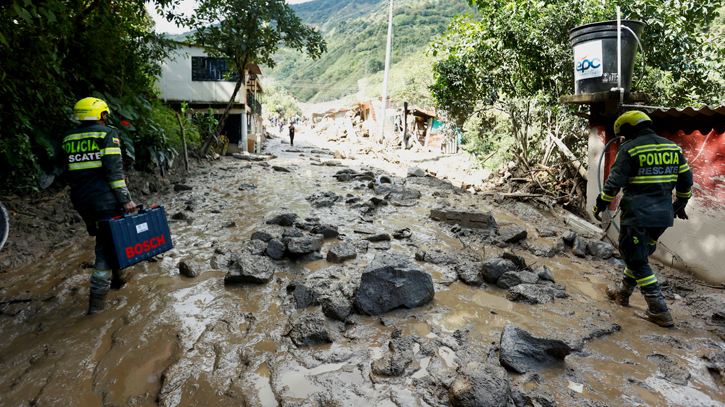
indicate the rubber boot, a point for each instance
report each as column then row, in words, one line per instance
column 620, row 294
column 116, row 281
column 97, row 302
column 657, row 311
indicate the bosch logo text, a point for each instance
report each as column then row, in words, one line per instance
column 145, row 246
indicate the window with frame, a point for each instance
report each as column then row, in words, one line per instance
column 211, row 69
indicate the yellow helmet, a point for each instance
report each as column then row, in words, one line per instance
column 629, row 120
column 89, row 109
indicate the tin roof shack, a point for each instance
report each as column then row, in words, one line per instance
column 191, row 76
column 698, row 244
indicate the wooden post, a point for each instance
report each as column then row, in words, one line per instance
column 427, row 131
column 405, row 122
column 183, row 142
column 569, row 155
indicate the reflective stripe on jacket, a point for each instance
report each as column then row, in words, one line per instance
column 647, row 169
column 95, row 171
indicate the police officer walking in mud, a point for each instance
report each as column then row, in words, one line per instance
column 648, row 167
column 98, row 186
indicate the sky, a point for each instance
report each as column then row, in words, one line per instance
column 186, row 7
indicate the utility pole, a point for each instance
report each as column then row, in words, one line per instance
column 387, row 72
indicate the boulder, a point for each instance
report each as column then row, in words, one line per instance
column 568, row 237
column 336, row 307
column 380, row 237
column 309, row 327
column 292, row 232
column 599, row 249
column 361, row 246
column 275, row 249
column 180, row 216
column 435, row 257
column 305, row 244
column 416, row 172
column 390, row 282
column 537, row 398
column 323, row 199
column 512, row 234
column 579, row 247
column 480, row 384
column 255, row 247
column 544, row 273
column 397, row 191
column 395, row 362
column 432, row 182
column 470, row 272
column 247, row 268
column 304, row 296
column 546, row 231
column 513, row 278
column 286, row 219
column 494, row 268
column 468, row 219
column 341, row 252
column 280, row 169
column 189, row 268
column 670, row 369
column 521, row 352
column 534, row 294
column 519, row 261
column 262, row 235
column 326, row 230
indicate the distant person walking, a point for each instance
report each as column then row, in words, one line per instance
column 291, row 133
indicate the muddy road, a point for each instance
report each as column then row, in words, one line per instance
column 170, row 340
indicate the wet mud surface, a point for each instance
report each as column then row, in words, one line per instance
column 170, row 340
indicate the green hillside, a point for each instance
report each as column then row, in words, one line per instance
column 355, row 32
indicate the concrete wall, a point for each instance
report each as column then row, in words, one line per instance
column 696, row 245
column 176, row 85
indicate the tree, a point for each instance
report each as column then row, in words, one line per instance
column 245, row 31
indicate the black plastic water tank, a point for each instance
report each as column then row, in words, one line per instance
column 595, row 55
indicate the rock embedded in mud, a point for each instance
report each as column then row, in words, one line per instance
column 280, row 169
column 275, row 249
column 286, row 219
column 539, row 398
column 480, row 384
column 522, row 352
column 390, row 282
column 432, row 182
column 599, row 249
column 341, row 252
column 470, row 272
column 519, row 261
column 716, row 365
column 394, row 363
column 247, row 187
column 309, row 327
column 512, row 234
column 262, row 235
column 180, row 216
column 305, row 244
column 579, row 247
column 568, row 237
column 397, row 191
column 304, row 296
column 182, row 187
column 670, row 369
column 534, row 294
column 336, row 307
column 416, row 172
column 326, row 230
column 361, row 246
column 380, row 237
column 189, row 269
column 435, row 257
column 546, row 231
column 323, row 199
column 493, row 269
column 513, row 278
column 402, row 233
column 255, row 247
column 247, row 268
column 544, row 273
column 468, row 219
column 292, row 232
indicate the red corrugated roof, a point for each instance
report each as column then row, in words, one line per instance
column 688, row 111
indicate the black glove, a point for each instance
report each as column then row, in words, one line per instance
column 599, row 207
column 679, row 207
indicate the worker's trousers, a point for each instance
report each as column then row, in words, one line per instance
column 102, row 274
column 636, row 244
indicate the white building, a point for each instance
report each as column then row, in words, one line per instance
column 191, row 76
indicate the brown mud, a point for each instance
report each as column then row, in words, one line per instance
column 169, row 340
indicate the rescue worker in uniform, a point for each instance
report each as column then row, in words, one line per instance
column 647, row 167
column 98, row 186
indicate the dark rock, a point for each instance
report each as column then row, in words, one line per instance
column 280, row 169
column 390, row 282
column 341, row 252
column 326, row 230
column 180, row 216
column 275, row 249
column 432, row 182
column 671, row 370
column 361, row 246
column 255, row 247
column 286, row 219
column 230, row 224
column 468, row 219
column 544, row 247
column 546, row 231
column 579, row 247
column 519, row 261
column 246, row 268
column 394, row 363
column 535, row 398
column 182, row 187
column 599, row 249
column 512, row 234
column 435, row 257
column 493, row 269
column 304, row 296
column 534, row 294
column 292, row 232
column 380, row 237
column 314, row 256
column 323, row 199
column 416, row 172
column 247, row 187
column 336, row 307
column 544, row 273
column 396, row 191
column 470, row 272
column 189, row 268
column 344, row 177
column 304, row 244
column 568, row 237
column 382, row 246
column 480, row 384
column 513, row 278
column 402, row 233
column 309, row 327
column 716, row 365
column 521, row 352
column 262, row 235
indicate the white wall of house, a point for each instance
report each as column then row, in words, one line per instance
column 176, row 85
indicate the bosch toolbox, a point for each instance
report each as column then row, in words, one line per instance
column 137, row 237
